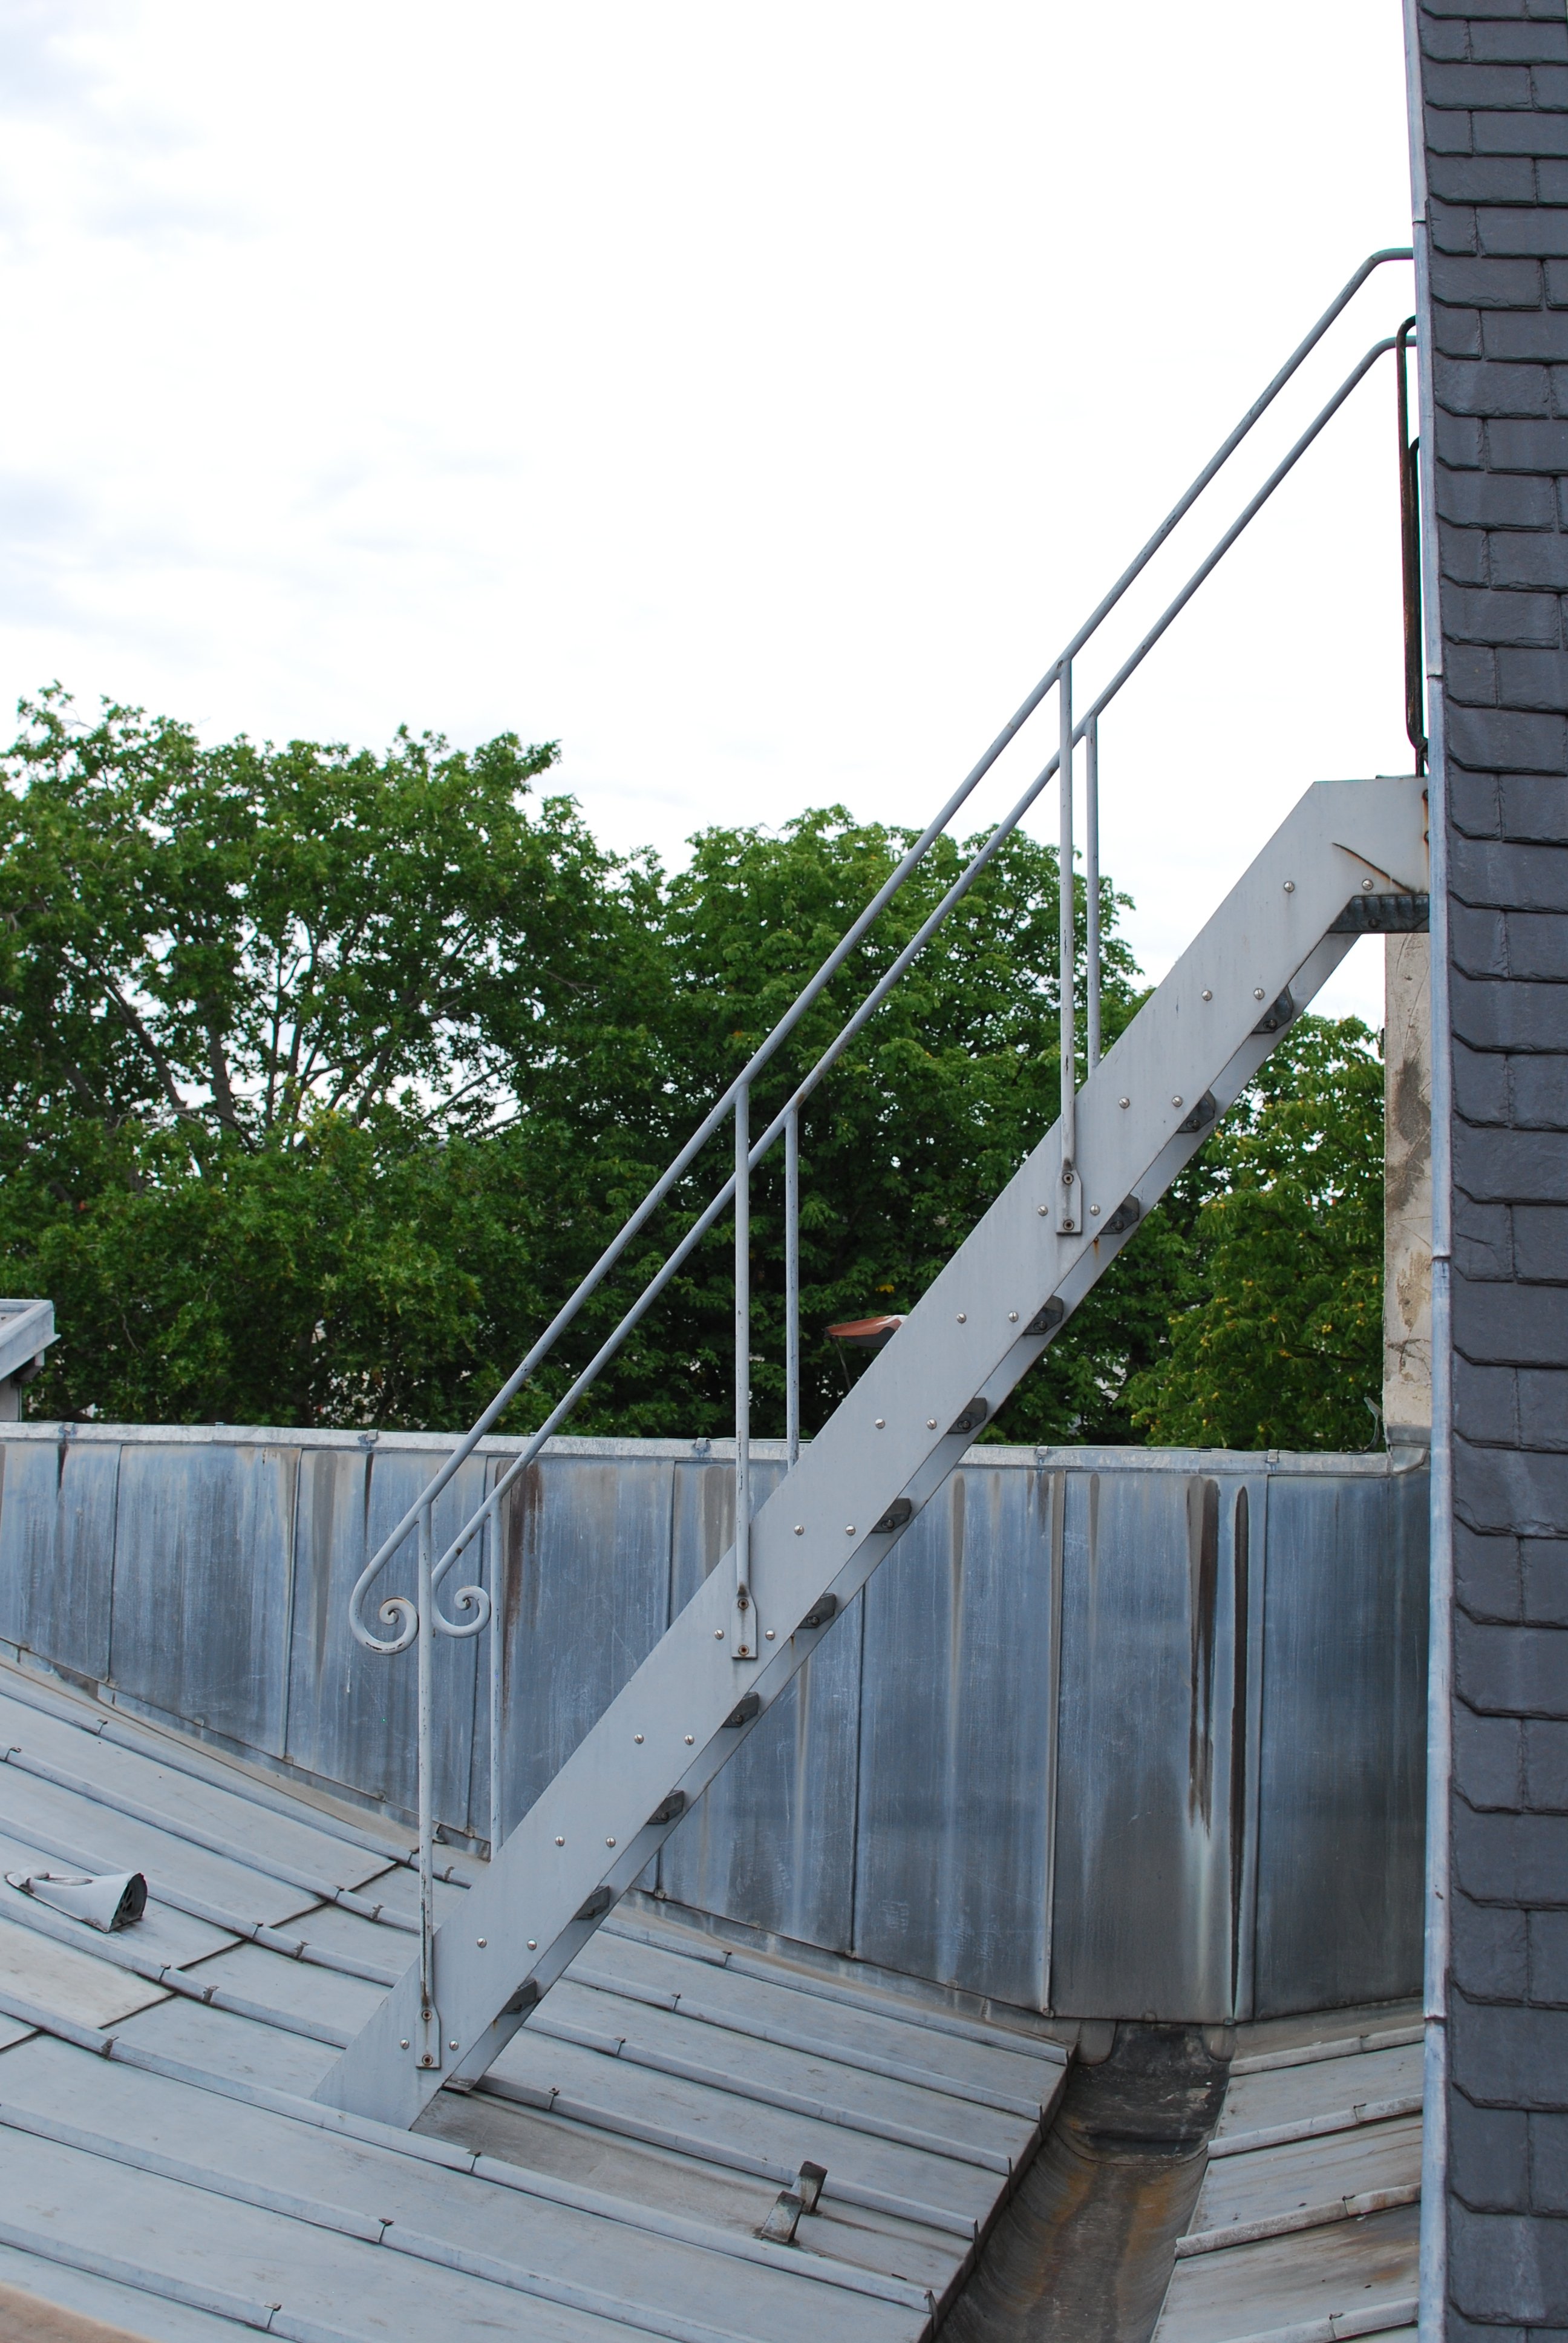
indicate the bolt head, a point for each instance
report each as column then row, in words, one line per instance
column 718, row 1635
column 1289, row 885
column 963, row 1317
column 800, row 1529
column 1176, row 1099
column 610, row 1842
column 481, row 1942
column 1207, row 994
column 1124, row 1101
column 1042, row 1209
column 1257, row 992
column 451, row 2045
column 1094, row 1211
column 533, row 1945
column 1366, row 886
column 402, row 2045
column 637, row 1738
column 849, row 1529
column 930, row 1424
column 1013, row 1317
column 767, row 1635
column 560, row 1842
column 690, row 1740
column 882, row 1424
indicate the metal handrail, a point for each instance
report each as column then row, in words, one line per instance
column 405, row 1616
column 812, row 991
column 885, row 984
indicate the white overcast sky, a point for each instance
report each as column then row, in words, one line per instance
column 751, row 399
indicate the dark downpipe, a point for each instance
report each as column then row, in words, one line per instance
column 1410, row 552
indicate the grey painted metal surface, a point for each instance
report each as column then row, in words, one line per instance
column 642, row 2164
column 894, row 1439
column 1341, row 1810
column 897, row 1804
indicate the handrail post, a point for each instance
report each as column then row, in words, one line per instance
column 429, row 2045
column 1067, row 954
column 792, row 1284
column 498, row 1658
column 743, row 1631
column 1091, row 891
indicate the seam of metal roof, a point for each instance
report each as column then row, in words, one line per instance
column 1349, row 2045
column 904, row 2007
column 146, row 1740
column 271, row 1866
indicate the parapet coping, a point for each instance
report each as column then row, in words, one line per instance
column 1371, row 1463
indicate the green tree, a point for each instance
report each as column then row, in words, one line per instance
column 325, row 1077
column 263, row 1012
column 1278, row 1342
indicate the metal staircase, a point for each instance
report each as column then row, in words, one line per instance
column 1350, row 858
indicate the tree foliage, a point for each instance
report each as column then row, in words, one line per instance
column 1280, row 1344
column 324, row 1076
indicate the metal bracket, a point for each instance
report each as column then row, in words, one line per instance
column 427, row 2041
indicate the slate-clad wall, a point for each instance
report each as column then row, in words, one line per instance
column 1494, row 81
column 1120, row 1733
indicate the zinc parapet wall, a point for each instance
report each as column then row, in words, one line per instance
column 1117, row 1733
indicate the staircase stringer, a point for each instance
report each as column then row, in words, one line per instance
column 689, row 1706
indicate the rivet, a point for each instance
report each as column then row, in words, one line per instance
column 718, row 1635
column 481, row 1942
column 560, row 1842
column 1207, row 994
column 690, row 1739
column 637, row 1738
column 882, row 1424
column 452, row 2045
column 1289, row 885
column 533, row 1945
column 1176, row 1099
column 1042, row 1209
column 1257, row 992
column 767, row 1635
column 930, row 1424
column 1366, row 886
column 1013, row 1317
column 962, row 1317
column 800, row 1529
column 402, row 2045
column 1094, row 1211
column 849, row 1529
column 610, row 1842
column 1068, row 1227
column 1124, row 1101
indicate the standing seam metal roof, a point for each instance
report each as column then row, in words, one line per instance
column 167, row 2170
